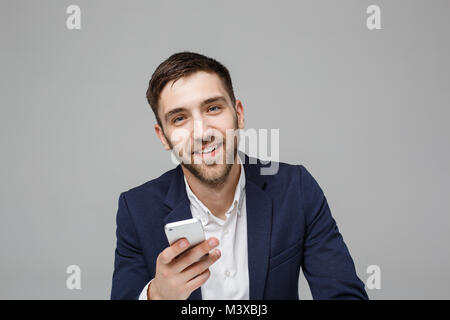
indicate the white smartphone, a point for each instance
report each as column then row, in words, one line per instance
column 191, row 229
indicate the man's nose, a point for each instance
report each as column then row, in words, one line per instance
column 201, row 130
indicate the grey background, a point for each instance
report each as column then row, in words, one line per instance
column 367, row 113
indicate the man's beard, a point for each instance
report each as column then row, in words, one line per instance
column 214, row 175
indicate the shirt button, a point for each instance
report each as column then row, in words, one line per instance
column 225, row 231
column 227, row 273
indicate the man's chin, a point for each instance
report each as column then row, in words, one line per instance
column 212, row 174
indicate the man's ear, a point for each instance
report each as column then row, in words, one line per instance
column 161, row 136
column 240, row 114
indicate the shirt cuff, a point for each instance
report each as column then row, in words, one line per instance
column 143, row 295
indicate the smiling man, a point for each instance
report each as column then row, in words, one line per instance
column 260, row 229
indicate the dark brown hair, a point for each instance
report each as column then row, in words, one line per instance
column 183, row 64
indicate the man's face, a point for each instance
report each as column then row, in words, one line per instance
column 197, row 116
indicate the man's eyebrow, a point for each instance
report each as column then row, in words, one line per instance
column 172, row 112
column 213, row 99
column 204, row 102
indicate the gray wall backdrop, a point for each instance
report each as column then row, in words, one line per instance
column 367, row 113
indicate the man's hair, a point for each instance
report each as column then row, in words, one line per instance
column 183, row 64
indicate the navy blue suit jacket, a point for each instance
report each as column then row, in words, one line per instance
column 289, row 225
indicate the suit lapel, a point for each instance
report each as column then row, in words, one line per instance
column 259, row 226
column 178, row 200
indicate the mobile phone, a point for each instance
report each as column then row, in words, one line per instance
column 191, row 229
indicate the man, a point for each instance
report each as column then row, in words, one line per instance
column 260, row 229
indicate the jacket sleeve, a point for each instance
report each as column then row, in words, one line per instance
column 327, row 264
column 130, row 271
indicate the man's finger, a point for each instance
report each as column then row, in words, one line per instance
column 198, row 281
column 194, row 254
column 168, row 254
column 198, row 267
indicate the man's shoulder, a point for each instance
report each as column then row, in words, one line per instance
column 282, row 177
column 276, row 171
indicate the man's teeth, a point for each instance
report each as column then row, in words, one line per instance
column 208, row 150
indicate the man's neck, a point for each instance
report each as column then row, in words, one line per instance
column 216, row 199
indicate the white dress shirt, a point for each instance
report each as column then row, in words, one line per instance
column 229, row 279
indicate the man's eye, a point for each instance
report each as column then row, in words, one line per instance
column 177, row 119
column 214, row 108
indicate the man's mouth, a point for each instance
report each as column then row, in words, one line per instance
column 208, row 151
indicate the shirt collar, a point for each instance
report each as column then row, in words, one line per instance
column 237, row 200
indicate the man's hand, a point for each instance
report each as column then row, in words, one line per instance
column 180, row 271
